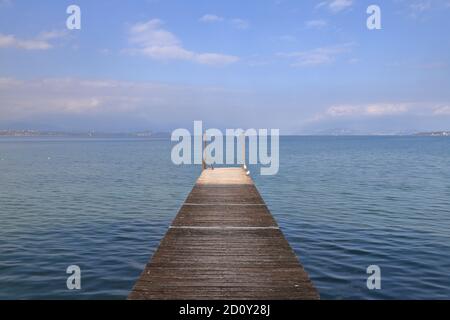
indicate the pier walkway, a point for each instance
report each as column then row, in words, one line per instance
column 224, row 244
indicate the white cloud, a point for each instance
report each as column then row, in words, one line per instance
column 442, row 111
column 383, row 117
column 420, row 6
column 103, row 104
column 386, row 109
column 151, row 33
column 376, row 110
column 237, row 23
column 7, row 41
column 67, row 96
column 10, row 41
column 367, row 110
column 51, row 35
column 211, row 18
column 240, row 23
column 379, row 118
column 9, row 83
column 214, row 59
column 157, row 43
column 342, row 111
column 316, row 24
column 318, row 56
column 41, row 42
column 335, row 6
column 359, row 111
column 78, row 103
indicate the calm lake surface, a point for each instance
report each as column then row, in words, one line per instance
column 344, row 203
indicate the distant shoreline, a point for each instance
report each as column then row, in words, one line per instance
column 167, row 135
column 87, row 135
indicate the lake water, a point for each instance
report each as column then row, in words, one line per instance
column 344, row 203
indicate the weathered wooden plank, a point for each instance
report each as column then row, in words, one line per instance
column 224, row 244
column 227, row 194
column 223, row 215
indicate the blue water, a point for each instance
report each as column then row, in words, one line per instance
column 344, row 203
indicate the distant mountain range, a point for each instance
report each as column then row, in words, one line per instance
column 37, row 133
column 434, row 134
column 352, row 132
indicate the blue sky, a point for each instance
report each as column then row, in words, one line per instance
column 300, row 66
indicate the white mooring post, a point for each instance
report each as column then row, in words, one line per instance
column 204, row 152
column 244, row 154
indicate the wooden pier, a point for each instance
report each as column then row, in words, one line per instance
column 224, row 245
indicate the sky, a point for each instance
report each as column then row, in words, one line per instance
column 303, row 67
